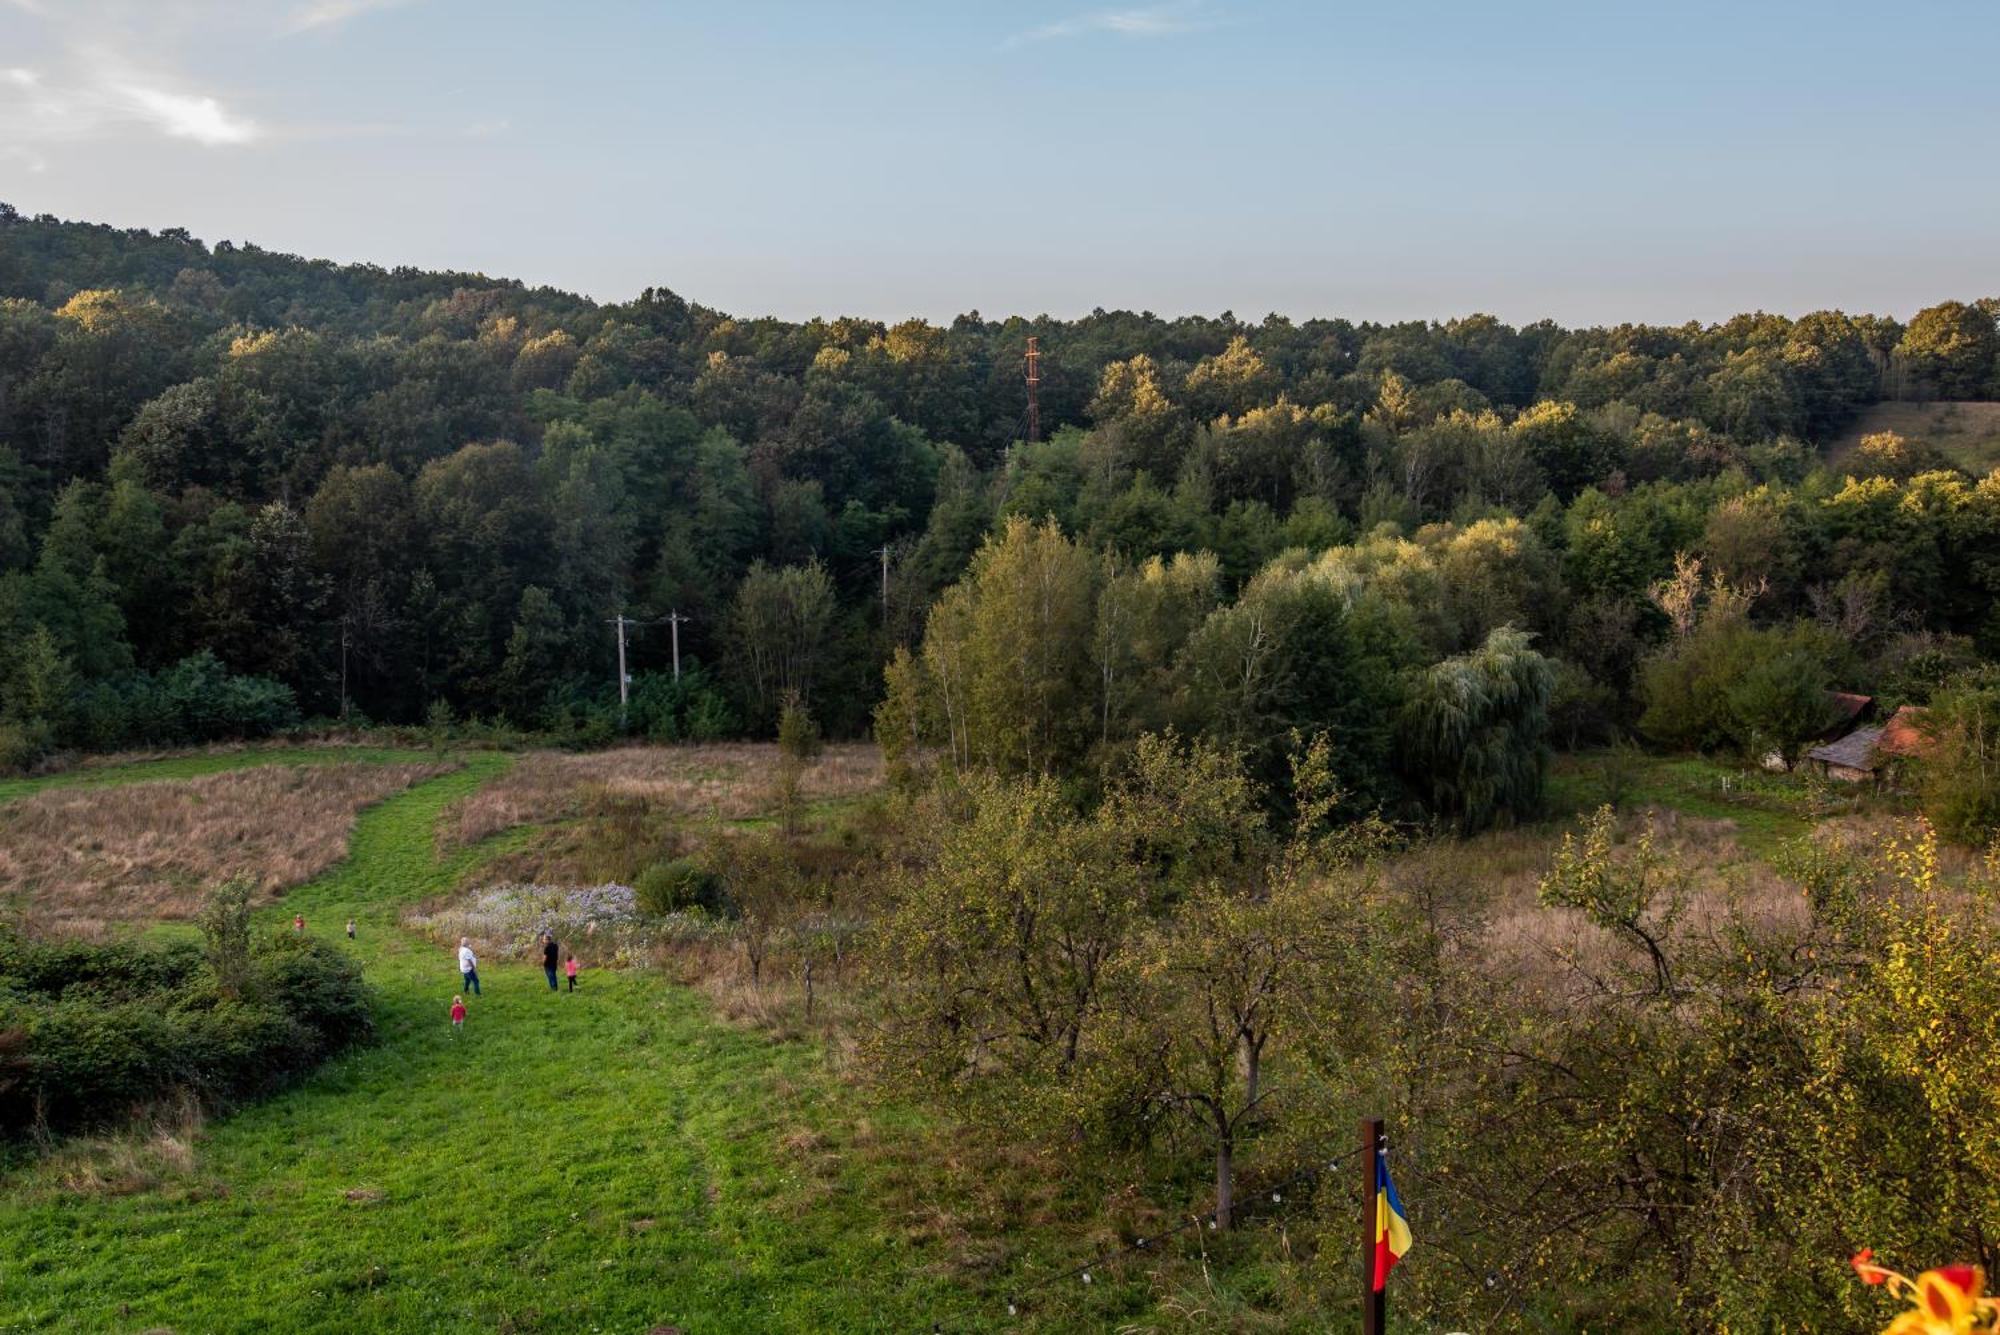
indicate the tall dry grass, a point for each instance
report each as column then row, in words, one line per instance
column 728, row 781
column 76, row 861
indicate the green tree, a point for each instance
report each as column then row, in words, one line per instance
column 537, row 655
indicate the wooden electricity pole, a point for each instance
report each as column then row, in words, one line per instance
column 624, row 678
column 674, row 619
column 1374, row 1301
column 1034, row 389
column 883, row 552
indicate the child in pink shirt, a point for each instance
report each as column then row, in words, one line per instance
column 572, row 973
column 457, row 1015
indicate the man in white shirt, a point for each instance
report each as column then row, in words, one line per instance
column 468, row 964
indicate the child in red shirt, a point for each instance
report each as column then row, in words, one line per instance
column 572, row 973
column 457, row 1015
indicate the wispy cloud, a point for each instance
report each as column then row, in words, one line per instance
column 331, row 13
column 1149, row 21
column 98, row 95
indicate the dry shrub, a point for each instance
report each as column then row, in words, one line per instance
column 78, row 859
column 727, row 781
column 156, row 1152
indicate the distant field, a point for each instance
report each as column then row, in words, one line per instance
column 727, row 780
column 1966, row 433
column 81, row 857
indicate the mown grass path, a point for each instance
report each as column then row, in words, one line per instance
column 603, row 1161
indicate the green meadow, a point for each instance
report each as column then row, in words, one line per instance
column 611, row 1160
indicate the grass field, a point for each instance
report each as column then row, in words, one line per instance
column 612, row 1160
column 1968, row 434
column 623, row 1159
column 74, row 859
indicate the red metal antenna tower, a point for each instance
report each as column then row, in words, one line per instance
column 1034, row 389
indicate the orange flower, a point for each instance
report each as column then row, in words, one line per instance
column 1949, row 1300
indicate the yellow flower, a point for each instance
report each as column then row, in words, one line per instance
column 1947, row 1303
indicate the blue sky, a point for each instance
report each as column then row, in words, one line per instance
column 1401, row 159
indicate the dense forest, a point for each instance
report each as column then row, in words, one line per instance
column 241, row 489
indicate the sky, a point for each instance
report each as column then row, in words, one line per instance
column 1398, row 159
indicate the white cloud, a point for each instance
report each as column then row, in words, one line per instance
column 98, row 96
column 188, row 116
column 329, row 13
column 1152, row 21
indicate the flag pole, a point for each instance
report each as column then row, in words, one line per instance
column 1374, row 1301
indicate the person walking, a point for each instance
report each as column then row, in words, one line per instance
column 298, row 922
column 457, row 1015
column 572, row 973
column 549, row 957
column 468, row 965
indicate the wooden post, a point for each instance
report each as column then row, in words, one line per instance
column 1374, row 1302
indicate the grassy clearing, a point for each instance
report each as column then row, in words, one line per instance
column 610, row 1160
column 1968, row 433
column 77, row 860
column 723, row 781
column 1763, row 811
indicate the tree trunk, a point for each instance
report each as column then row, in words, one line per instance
column 1225, row 1180
column 1252, row 1052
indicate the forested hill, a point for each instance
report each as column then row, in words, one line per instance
column 222, row 463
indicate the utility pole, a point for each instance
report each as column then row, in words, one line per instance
column 883, row 552
column 624, row 679
column 343, row 667
column 674, row 619
column 1034, row 389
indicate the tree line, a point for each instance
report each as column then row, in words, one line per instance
column 306, row 490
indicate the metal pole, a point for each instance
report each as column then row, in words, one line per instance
column 674, row 620
column 885, row 583
column 1374, row 1301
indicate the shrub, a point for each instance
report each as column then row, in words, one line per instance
column 673, row 887
column 1960, row 778
column 98, row 1031
column 22, row 745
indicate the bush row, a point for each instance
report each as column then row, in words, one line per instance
column 91, row 1033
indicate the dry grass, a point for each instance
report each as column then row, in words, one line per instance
column 79, row 860
column 1490, row 885
column 728, row 781
column 157, row 1154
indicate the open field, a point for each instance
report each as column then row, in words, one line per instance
column 725, row 781
column 1968, row 433
column 80, row 858
column 613, row 1160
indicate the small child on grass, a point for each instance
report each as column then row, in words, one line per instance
column 572, row 973
column 457, row 1015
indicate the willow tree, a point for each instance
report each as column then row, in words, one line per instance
column 1475, row 732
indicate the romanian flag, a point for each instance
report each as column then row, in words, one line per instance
column 1392, row 1230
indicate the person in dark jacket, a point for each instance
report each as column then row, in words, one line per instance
column 549, row 957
